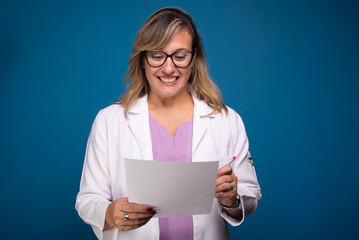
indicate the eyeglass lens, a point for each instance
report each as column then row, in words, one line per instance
column 157, row 58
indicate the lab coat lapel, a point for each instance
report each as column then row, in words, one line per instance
column 138, row 121
column 200, row 122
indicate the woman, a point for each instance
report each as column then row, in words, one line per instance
column 171, row 111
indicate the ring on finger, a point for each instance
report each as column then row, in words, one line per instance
column 231, row 187
column 125, row 216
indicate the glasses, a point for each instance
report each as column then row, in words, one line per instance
column 156, row 58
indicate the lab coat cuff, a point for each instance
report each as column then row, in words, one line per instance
column 102, row 214
column 234, row 222
column 99, row 221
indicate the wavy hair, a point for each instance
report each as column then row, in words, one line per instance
column 156, row 33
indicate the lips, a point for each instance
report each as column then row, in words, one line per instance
column 168, row 79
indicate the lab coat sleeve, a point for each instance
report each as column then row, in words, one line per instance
column 247, row 185
column 95, row 191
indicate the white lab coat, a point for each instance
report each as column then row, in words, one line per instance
column 113, row 138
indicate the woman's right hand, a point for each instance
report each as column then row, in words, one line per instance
column 138, row 215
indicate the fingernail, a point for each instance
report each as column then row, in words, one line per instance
column 153, row 212
column 149, row 209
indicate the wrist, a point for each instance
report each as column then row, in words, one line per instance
column 233, row 207
column 108, row 220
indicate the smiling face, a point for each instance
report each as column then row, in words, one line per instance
column 169, row 81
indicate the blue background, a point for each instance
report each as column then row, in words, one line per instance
column 290, row 68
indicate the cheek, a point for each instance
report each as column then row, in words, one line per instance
column 149, row 73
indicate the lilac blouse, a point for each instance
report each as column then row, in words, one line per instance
column 176, row 149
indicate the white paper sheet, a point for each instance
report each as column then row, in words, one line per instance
column 172, row 188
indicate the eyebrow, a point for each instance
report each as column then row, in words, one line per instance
column 177, row 50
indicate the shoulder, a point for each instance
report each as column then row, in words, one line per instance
column 231, row 120
column 202, row 109
column 110, row 113
column 232, row 115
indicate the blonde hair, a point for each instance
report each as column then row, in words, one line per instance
column 156, row 33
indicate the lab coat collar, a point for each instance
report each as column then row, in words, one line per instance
column 201, row 116
column 139, row 106
column 138, row 120
column 200, row 107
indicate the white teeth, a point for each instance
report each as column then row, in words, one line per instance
column 168, row 80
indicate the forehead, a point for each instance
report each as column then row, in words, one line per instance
column 182, row 40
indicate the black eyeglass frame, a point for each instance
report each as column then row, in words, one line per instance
column 169, row 56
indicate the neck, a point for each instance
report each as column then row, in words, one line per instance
column 181, row 101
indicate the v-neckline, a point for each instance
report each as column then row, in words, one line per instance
column 166, row 130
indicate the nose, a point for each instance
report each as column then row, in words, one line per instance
column 168, row 67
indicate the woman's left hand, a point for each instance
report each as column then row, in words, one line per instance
column 226, row 187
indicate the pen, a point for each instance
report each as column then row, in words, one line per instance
column 233, row 158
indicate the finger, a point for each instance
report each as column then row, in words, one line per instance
column 225, row 170
column 134, row 222
column 226, row 187
column 225, row 179
column 141, row 215
column 135, row 208
column 128, row 228
column 228, row 195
